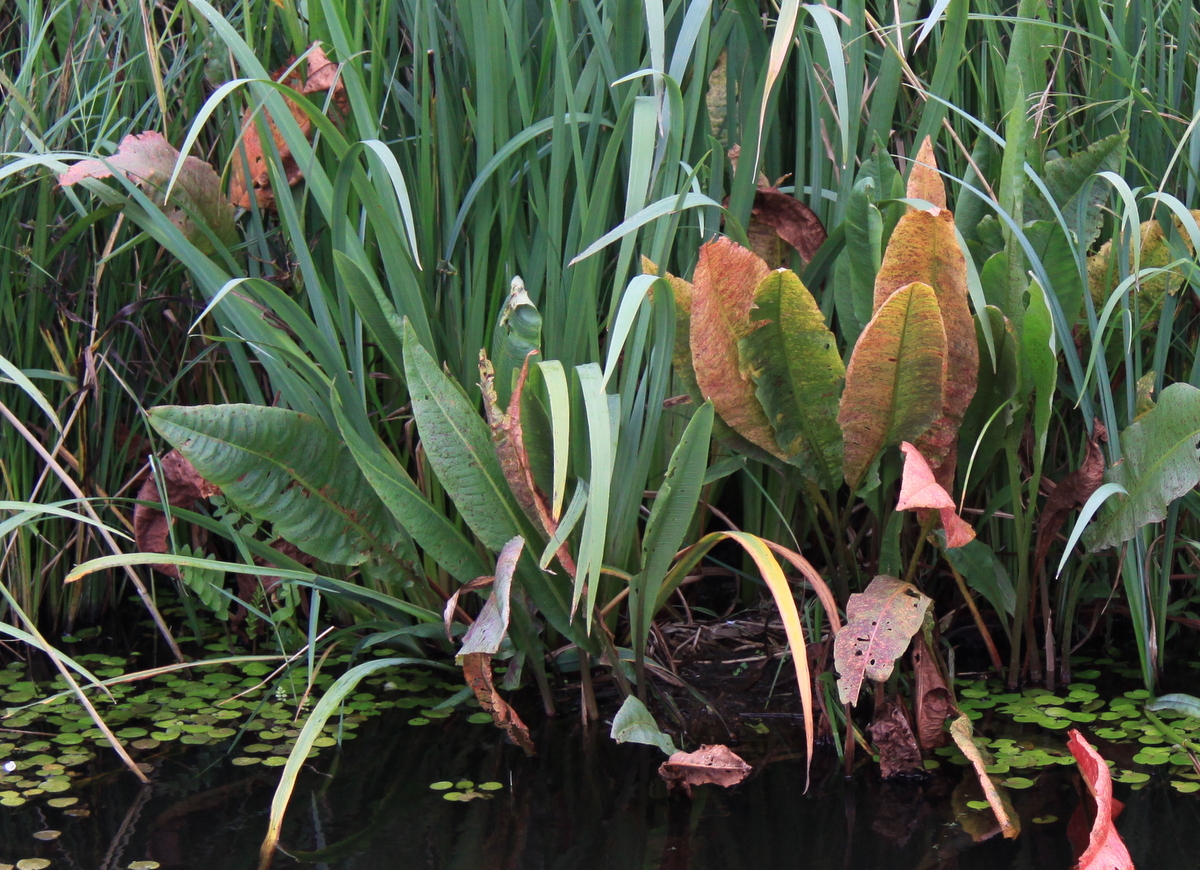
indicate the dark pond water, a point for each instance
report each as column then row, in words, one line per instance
column 583, row 803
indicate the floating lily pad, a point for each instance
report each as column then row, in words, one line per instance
column 47, row 835
column 1044, row 820
column 245, row 760
column 496, row 786
column 1185, row 787
column 33, row 864
column 60, row 803
column 441, row 785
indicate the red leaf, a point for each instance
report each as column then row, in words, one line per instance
column 920, row 489
column 1105, row 850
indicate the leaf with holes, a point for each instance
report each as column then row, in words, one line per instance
column 880, row 622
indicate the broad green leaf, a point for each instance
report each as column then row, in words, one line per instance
column 430, row 528
column 289, row 469
column 459, row 447
column 1159, row 463
column 924, row 247
column 896, row 378
column 985, row 574
column 634, row 724
column 149, row 160
column 1058, row 259
column 722, row 298
column 518, row 332
column 674, row 506
column 880, row 622
column 793, row 360
column 1066, row 177
column 1188, row 705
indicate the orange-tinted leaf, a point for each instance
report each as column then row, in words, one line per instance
column 919, row 489
column 477, row 671
column 184, row 487
column 1105, row 850
column 148, row 159
column 716, row 765
column 924, row 181
column 322, row 75
column 960, row 730
column 723, row 289
column 896, row 378
column 509, row 440
column 880, row 622
column 924, row 248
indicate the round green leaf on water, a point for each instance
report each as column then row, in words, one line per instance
column 1185, row 787
column 1131, row 777
column 59, row 803
column 441, row 785
column 274, row 761
column 418, row 721
column 47, row 835
column 245, row 760
column 479, row 718
column 978, row 805
column 33, row 864
column 464, row 783
column 496, row 786
column 68, row 738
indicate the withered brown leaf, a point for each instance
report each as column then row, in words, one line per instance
column 710, row 764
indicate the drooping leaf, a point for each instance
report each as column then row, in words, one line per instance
column 792, row 359
column 148, row 159
column 322, row 76
column 459, row 447
column 899, row 754
column 183, row 486
column 880, row 622
column 960, row 730
column 722, row 297
column 919, row 489
column 490, row 627
column 780, row 224
column 708, row 765
column 477, row 671
column 924, row 248
column 518, row 332
column 1159, row 463
column 924, row 180
column 1104, row 848
column 634, row 724
column 289, row 469
column 508, row 437
column 895, row 382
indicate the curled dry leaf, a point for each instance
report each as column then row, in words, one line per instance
column 1101, row 848
column 149, row 160
column 933, row 699
column 919, row 489
column 780, row 223
column 184, row 487
column 899, row 754
column 322, row 75
column 715, row 764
